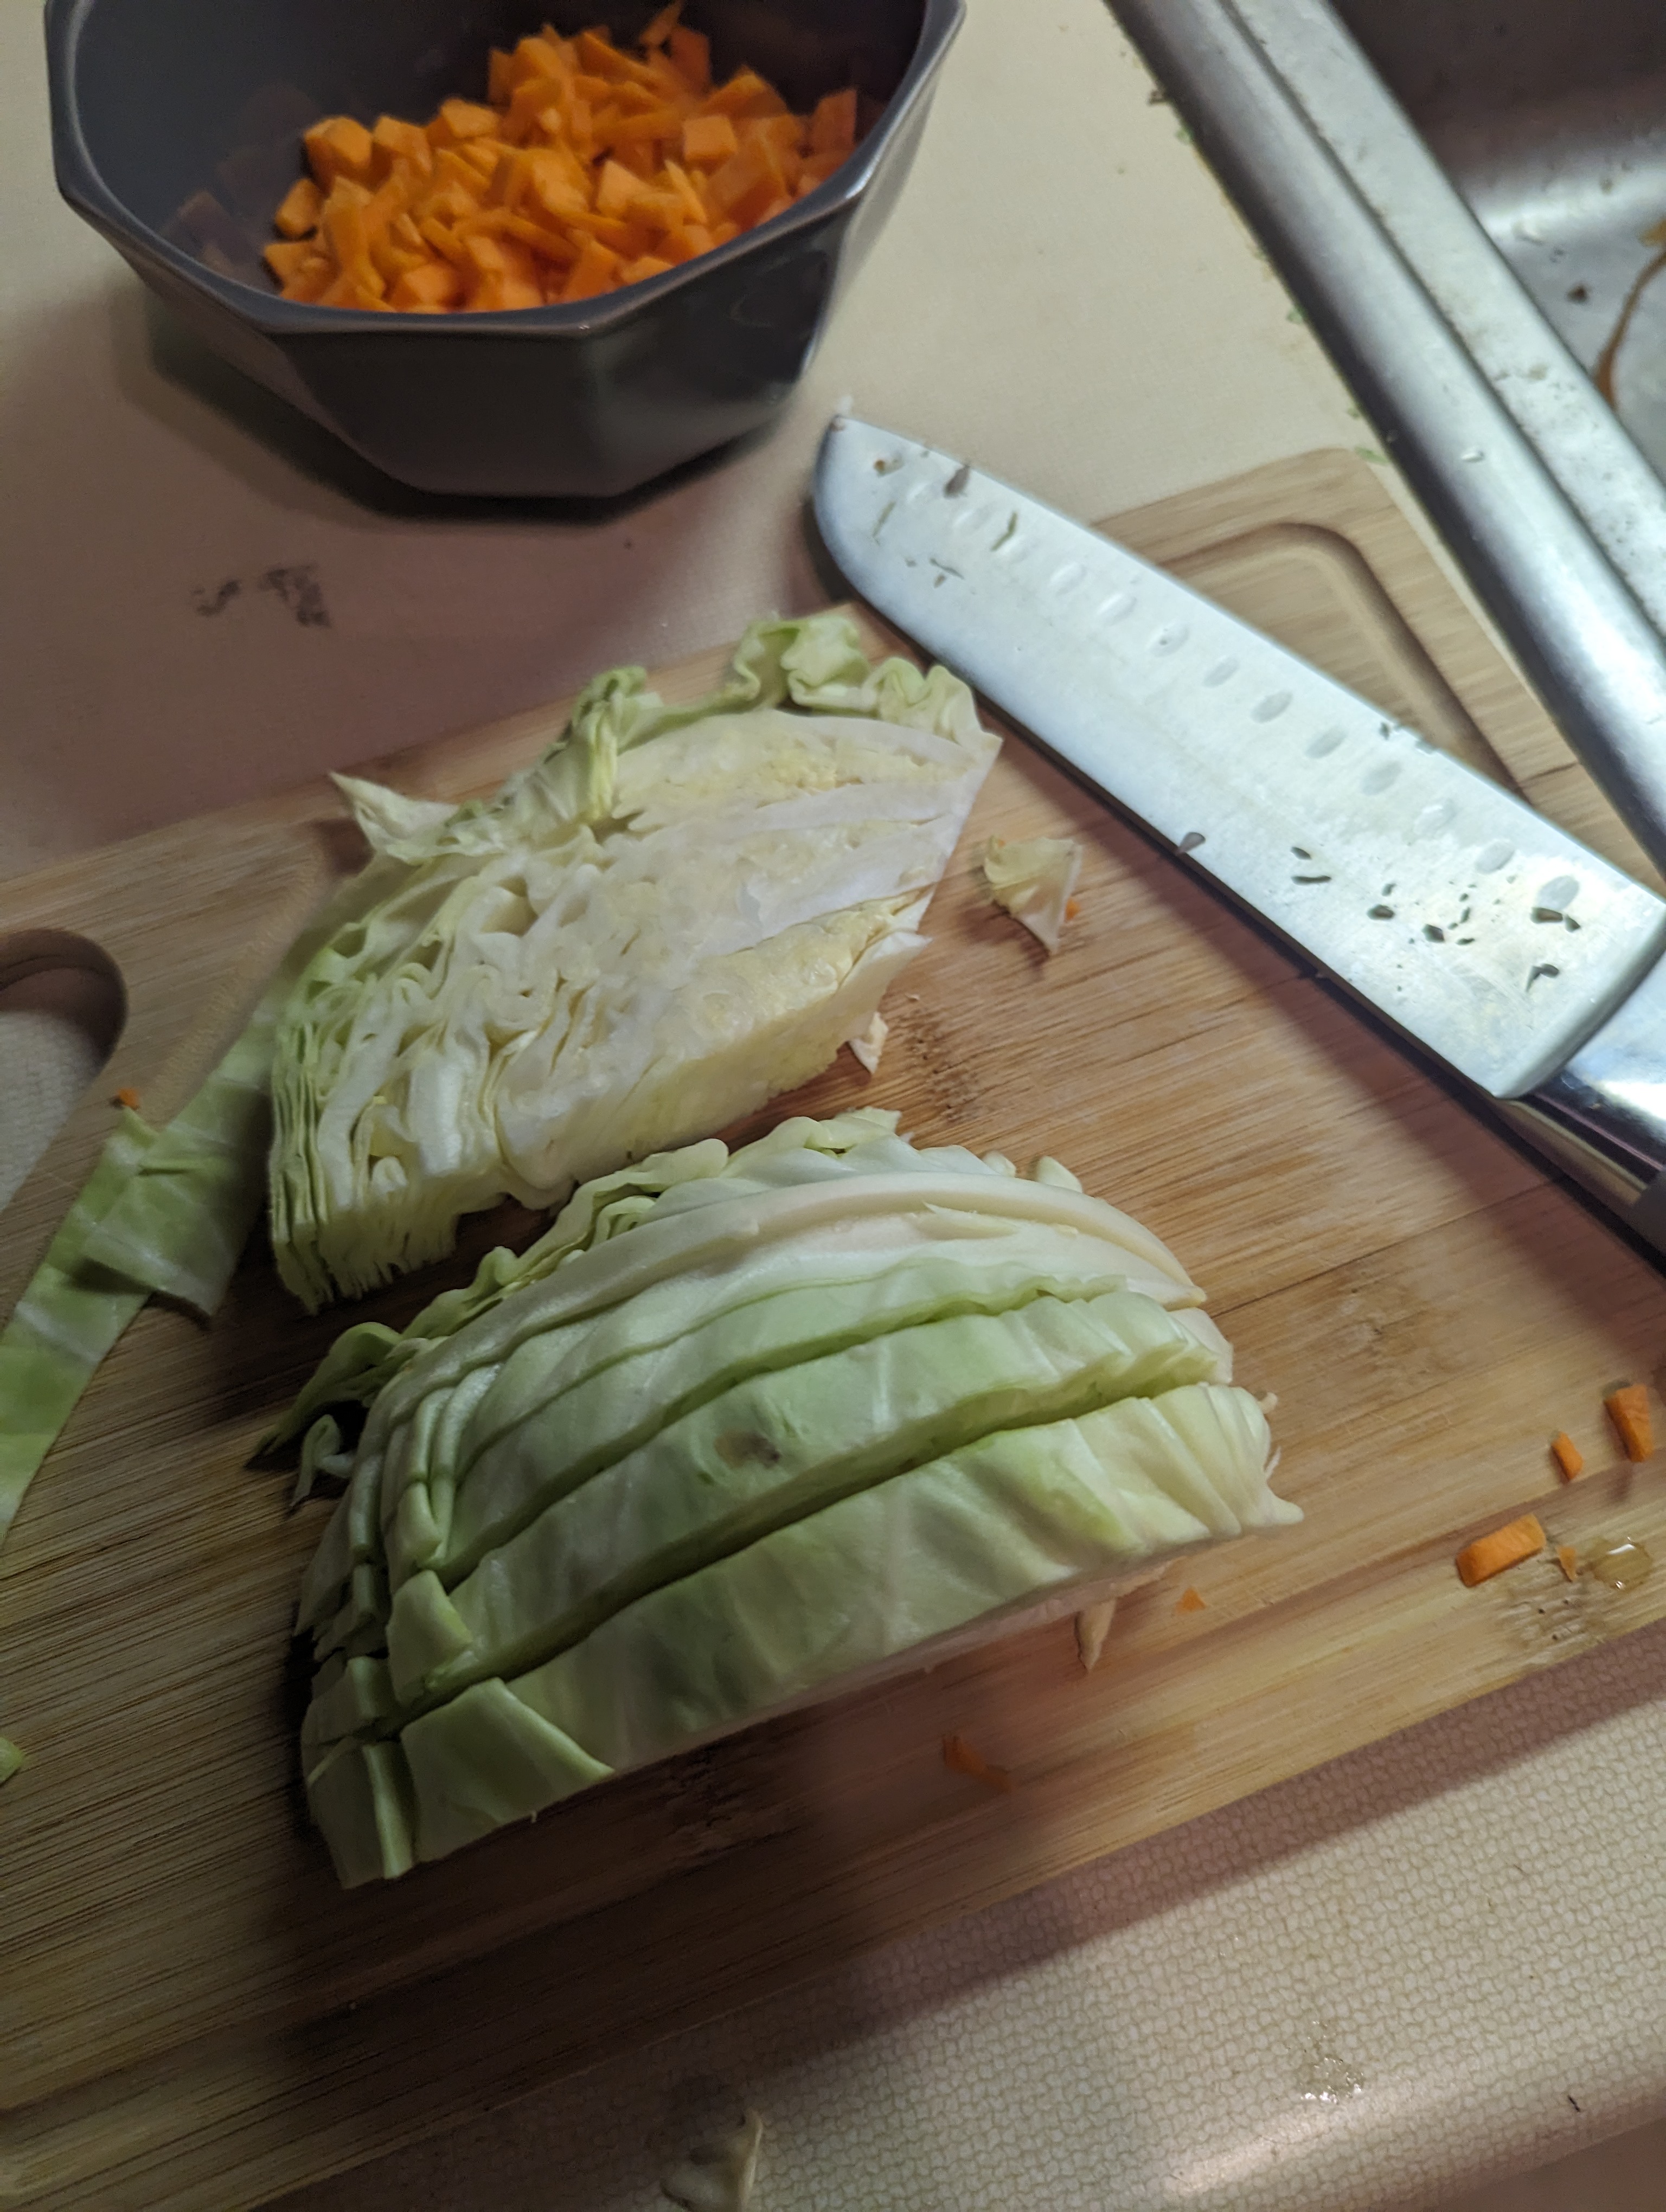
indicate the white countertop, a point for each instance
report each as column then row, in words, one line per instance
column 1442, row 1957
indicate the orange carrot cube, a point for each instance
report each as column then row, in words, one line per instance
column 299, row 210
column 708, row 141
column 1629, row 1409
column 339, row 146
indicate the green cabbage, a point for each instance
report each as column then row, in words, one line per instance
column 791, row 1417
column 674, row 914
column 1034, row 879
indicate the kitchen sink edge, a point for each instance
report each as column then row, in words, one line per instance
column 1549, row 505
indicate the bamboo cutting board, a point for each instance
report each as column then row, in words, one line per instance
column 192, row 2013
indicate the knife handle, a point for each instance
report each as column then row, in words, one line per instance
column 1603, row 1115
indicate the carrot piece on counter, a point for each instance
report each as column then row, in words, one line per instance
column 127, row 1096
column 1568, row 1455
column 1629, row 1409
column 1504, row 1547
column 1073, row 906
column 960, row 1757
column 1191, row 1601
column 1568, row 1560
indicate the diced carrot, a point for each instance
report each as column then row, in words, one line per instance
column 299, row 210
column 339, row 146
column 394, row 141
column 311, row 280
column 561, row 186
column 435, row 284
column 601, row 57
column 691, row 51
column 684, row 244
column 1629, row 1409
column 650, row 124
column 708, row 141
column 1191, row 1601
column 1073, row 906
column 1568, row 1560
column 533, row 60
column 444, row 241
column 594, row 271
column 1504, row 1547
column 1568, row 1456
column 745, row 93
column 833, row 124
column 961, row 1758
column 459, row 120
column 616, row 188
column 682, row 184
column 286, row 260
column 482, row 156
column 550, row 244
column 743, row 177
column 127, row 1096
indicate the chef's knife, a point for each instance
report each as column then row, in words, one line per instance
column 1497, row 942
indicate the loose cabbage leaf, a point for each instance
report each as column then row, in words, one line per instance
column 164, row 1213
column 65, row 1321
column 1034, row 880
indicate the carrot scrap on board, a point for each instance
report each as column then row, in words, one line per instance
column 1568, row 1560
column 127, row 1096
column 1629, row 1409
column 959, row 1756
column 1504, row 1547
column 588, row 168
column 1568, row 1455
column 1191, row 1601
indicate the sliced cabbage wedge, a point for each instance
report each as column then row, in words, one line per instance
column 674, row 914
column 786, row 1419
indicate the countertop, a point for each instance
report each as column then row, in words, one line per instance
column 1439, row 1960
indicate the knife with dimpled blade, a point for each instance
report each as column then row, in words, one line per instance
column 1495, row 941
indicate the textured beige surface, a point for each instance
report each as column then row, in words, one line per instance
column 1362, row 1987
column 1465, row 1920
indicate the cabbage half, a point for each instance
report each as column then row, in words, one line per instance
column 675, row 914
column 790, row 1419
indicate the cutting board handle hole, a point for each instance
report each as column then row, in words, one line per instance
column 62, row 1007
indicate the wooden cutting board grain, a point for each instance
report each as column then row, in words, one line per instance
column 192, row 2013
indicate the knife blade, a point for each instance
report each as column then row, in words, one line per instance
column 1523, row 960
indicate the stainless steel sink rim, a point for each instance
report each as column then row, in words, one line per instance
column 1573, row 604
